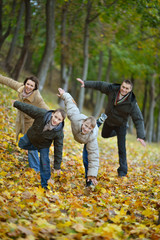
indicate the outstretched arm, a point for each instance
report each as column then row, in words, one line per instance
column 70, row 104
column 81, row 81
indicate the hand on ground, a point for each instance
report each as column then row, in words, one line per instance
column 94, row 180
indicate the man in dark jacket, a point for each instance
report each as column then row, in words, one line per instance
column 121, row 104
column 47, row 126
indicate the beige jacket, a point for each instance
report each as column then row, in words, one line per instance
column 23, row 121
column 90, row 139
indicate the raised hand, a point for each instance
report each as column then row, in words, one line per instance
column 81, row 81
column 61, row 92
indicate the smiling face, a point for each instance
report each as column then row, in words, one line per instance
column 56, row 118
column 87, row 127
column 125, row 88
column 29, row 86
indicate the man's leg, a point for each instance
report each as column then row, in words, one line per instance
column 121, row 141
column 108, row 131
column 85, row 160
column 33, row 157
column 24, row 143
column 45, row 170
column 33, row 160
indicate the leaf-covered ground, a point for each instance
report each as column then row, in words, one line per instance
column 117, row 208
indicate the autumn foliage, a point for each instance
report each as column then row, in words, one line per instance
column 117, row 208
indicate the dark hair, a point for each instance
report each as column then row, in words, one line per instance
column 63, row 113
column 127, row 81
column 34, row 79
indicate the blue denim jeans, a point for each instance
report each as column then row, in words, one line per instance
column 45, row 171
column 33, row 160
column 85, row 160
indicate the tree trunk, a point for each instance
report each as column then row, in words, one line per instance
column 65, row 71
column 50, row 43
column 99, row 94
column 150, row 128
column 15, row 36
column 7, row 32
column 27, row 37
column 144, row 108
column 130, row 126
column 85, row 54
column 158, row 126
column 100, row 104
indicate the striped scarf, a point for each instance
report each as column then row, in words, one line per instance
column 118, row 101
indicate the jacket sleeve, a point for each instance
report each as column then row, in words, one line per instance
column 10, row 82
column 71, row 106
column 29, row 109
column 138, row 121
column 58, row 150
column 93, row 158
column 103, row 87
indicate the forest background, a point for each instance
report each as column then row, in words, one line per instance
column 59, row 41
column 112, row 40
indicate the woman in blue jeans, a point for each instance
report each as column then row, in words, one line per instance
column 28, row 93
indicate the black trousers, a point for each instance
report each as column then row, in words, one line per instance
column 120, row 132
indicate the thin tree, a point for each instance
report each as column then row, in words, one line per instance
column 15, row 36
column 149, row 133
column 88, row 20
column 65, row 72
column 7, row 32
column 50, row 43
column 26, row 41
column 99, row 104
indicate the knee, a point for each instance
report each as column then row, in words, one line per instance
column 20, row 143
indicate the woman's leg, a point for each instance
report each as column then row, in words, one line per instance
column 24, row 143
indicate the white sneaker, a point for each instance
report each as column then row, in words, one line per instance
column 102, row 118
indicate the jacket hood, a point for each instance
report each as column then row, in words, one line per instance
column 47, row 118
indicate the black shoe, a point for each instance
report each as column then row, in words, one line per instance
column 89, row 183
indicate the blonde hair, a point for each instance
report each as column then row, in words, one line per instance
column 92, row 121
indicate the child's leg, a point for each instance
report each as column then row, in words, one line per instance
column 45, row 170
column 24, row 143
column 85, row 160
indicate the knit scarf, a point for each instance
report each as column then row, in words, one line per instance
column 118, row 101
column 49, row 126
column 26, row 95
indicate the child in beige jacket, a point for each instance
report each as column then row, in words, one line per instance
column 85, row 131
